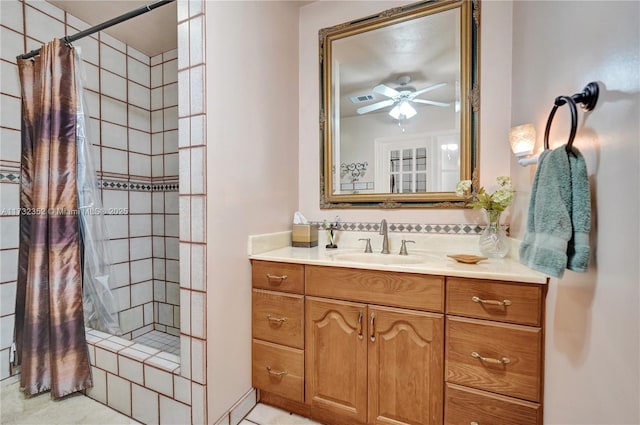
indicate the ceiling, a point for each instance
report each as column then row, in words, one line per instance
column 151, row 33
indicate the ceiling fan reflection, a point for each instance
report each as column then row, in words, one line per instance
column 401, row 98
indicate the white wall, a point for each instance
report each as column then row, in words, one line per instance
column 495, row 80
column 592, row 343
column 252, row 166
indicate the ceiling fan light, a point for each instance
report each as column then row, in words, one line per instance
column 395, row 112
column 407, row 110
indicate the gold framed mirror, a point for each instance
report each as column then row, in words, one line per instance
column 399, row 101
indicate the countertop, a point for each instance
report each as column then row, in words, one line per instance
column 276, row 247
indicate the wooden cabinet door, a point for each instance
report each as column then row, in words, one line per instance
column 405, row 366
column 336, row 357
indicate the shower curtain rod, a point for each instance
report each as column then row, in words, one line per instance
column 111, row 22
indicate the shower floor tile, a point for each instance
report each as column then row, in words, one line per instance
column 160, row 341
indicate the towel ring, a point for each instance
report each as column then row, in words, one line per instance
column 587, row 100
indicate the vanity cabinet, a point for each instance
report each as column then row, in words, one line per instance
column 359, row 346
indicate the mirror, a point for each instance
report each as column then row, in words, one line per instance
column 399, row 105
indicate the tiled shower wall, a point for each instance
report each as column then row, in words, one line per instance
column 132, row 101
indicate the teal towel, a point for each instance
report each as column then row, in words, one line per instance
column 578, row 250
column 559, row 217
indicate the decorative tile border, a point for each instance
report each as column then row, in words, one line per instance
column 440, row 229
column 14, row 177
column 9, row 177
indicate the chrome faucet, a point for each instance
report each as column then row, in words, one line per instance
column 385, row 237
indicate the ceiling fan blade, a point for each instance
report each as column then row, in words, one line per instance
column 431, row 102
column 385, row 90
column 424, row 90
column 375, row 106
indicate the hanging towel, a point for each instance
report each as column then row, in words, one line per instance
column 578, row 251
column 559, row 218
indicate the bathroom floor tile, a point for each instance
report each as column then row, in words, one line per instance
column 74, row 409
column 263, row 414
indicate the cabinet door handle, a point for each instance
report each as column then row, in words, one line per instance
column 276, row 280
column 502, row 303
column 276, row 372
column 473, row 423
column 372, row 335
column 276, row 320
column 502, row 360
column 360, row 324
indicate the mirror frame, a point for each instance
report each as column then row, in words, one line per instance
column 469, row 115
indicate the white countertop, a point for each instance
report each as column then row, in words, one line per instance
column 276, row 247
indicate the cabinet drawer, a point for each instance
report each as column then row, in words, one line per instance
column 468, row 406
column 278, row 276
column 278, row 317
column 407, row 290
column 486, row 299
column 278, row 369
column 494, row 356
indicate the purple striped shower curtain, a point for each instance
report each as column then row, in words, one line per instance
column 49, row 332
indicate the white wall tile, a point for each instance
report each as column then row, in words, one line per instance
column 156, row 98
column 172, row 225
column 141, row 270
column 171, row 118
column 112, row 59
column 155, row 60
column 198, row 403
column 142, row 293
column 198, row 170
column 158, row 246
column 140, row 225
column 185, row 356
column 9, row 229
column 173, row 293
column 113, row 110
column 120, row 274
column 183, row 45
column 92, row 106
column 145, row 405
column 156, row 76
column 157, row 202
column 119, row 249
column 157, row 166
column 7, row 297
column 158, row 224
column 198, row 214
column 185, row 311
column 158, row 380
column 157, row 118
column 10, row 44
column 119, row 394
column 11, row 15
column 139, row 165
column 90, row 78
column 140, row 202
column 6, row 331
column 184, row 171
column 171, row 203
column 171, row 141
column 169, row 55
column 158, row 268
column 8, row 266
column 42, row 27
column 117, row 44
column 115, row 199
column 139, row 72
column 197, row 315
column 171, row 164
column 159, row 291
column 139, row 95
column 165, row 314
column 10, row 144
column 135, row 54
column 9, row 195
column 173, row 270
column 182, row 389
column 131, row 319
column 171, row 244
column 122, row 298
column 130, row 369
column 198, row 132
column 185, row 218
column 157, row 144
column 114, row 136
column 173, row 412
column 139, row 141
column 195, row 7
column 184, row 96
column 106, row 360
column 198, row 266
column 140, row 248
column 197, row 88
column 170, row 71
column 89, row 48
column 47, row 8
column 99, row 390
column 10, row 82
column 76, row 24
column 170, row 95
column 196, row 39
column 114, row 161
column 148, row 313
column 198, row 356
column 113, row 85
column 139, row 118
column 11, row 108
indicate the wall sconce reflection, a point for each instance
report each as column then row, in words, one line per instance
column 522, row 139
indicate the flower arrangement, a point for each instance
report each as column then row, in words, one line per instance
column 330, row 228
column 496, row 201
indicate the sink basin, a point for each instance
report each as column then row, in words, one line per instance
column 376, row 258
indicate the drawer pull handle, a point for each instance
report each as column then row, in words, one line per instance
column 502, row 360
column 277, row 320
column 276, row 372
column 502, row 303
column 373, row 328
column 474, row 423
column 360, row 325
column 276, row 280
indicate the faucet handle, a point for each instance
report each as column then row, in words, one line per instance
column 367, row 249
column 403, row 247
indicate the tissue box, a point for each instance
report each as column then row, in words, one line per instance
column 304, row 235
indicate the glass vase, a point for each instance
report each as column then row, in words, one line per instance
column 493, row 240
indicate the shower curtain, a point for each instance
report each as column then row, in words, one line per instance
column 49, row 331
